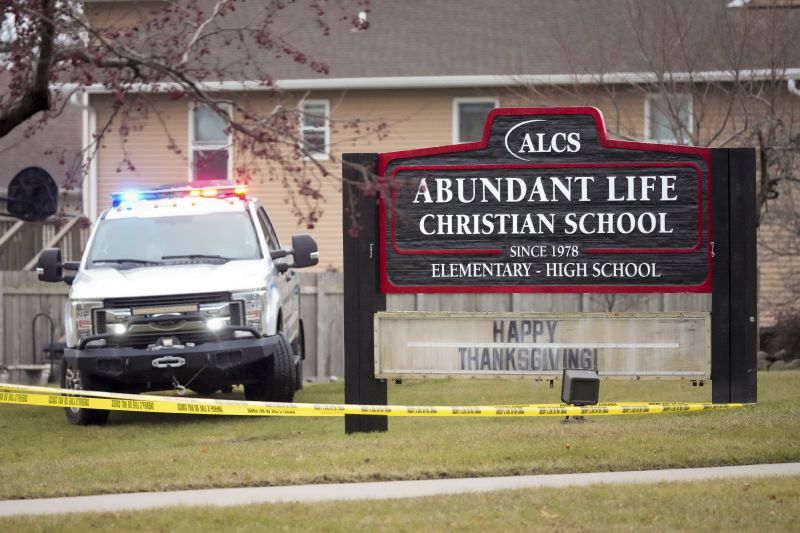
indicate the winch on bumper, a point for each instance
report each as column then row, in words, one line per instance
column 203, row 367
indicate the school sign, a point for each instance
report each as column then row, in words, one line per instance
column 546, row 202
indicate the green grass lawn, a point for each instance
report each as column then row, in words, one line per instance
column 727, row 505
column 43, row 456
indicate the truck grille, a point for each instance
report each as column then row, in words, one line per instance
column 174, row 299
column 193, row 333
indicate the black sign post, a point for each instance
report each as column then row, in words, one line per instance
column 734, row 299
column 361, row 297
column 546, row 202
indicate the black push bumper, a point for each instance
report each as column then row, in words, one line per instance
column 209, row 366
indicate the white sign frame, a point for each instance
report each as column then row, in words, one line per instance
column 386, row 350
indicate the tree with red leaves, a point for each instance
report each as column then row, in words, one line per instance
column 54, row 50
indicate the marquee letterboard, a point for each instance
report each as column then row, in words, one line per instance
column 545, row 202
column 515, row 345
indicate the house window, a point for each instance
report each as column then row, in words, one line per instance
column 315, row 129
column 469, row 118
column 210, row 145
column 668, row 118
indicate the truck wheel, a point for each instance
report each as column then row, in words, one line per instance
column 72, row 378
column 276, row 380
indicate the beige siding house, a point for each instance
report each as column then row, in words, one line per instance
column 431, row 70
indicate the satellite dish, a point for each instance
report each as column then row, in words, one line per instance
column 32, row 195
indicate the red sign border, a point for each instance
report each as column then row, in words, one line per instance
column 384, row 159
column 648, row 164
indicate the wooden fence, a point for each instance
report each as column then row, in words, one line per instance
column 322, row 313
column 22, row 296
column 21, row 242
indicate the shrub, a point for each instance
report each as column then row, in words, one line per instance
column 786, row 334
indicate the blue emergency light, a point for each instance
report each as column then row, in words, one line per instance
column 131, row 196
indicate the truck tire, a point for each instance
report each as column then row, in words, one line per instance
column 276, row 377
column 78, row 380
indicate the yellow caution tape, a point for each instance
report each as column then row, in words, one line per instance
column 51, row 397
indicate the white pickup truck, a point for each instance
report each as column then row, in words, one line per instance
column 183, row 287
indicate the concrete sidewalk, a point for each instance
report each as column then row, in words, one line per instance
column 372, row 491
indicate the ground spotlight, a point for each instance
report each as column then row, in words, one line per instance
column 580, row 387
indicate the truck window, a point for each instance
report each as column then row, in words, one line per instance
column 153, row 239
column 269, row 231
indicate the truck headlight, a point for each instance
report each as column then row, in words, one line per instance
column 82, row 316
column 218, row 315
column 254, row 303
column 117, row 329
column 217, row 323
column 113, row 321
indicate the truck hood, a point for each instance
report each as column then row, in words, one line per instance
column 107, row 282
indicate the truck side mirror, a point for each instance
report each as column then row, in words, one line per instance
column 305, row 251
column 49, row 267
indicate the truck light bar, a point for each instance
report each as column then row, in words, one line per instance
column 171, row 191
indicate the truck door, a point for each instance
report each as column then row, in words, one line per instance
column 288, row 282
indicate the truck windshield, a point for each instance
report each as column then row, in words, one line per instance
column 135, row 242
